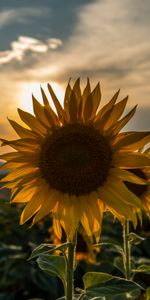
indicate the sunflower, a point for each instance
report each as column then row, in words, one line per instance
column 72, row 162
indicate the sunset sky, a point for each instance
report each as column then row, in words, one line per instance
column 53, row 40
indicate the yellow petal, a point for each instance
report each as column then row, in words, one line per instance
column 57, row 227
column 85, row 223
column 67, row 98
column 96, row 207
column 87, row 216
column 24, row 195
column 15, row 174
column 127, row 196
column 97, row 228
column 39, row 112
column 116, row 113
column 127, row 176
column 77, row 90
column 22, row 180
column 44, row 97
column 32, row 122
column 9, row 156
column 21, row 131
column 101, row 122
column 70, row 216
column 131, row 140
column 27, row 178
column 86, row 92
column 60, row 110
column 92, row 201
column 19, row 157
column 131, row 160
column 58, row 212
column 51, row 116
column 108, row 106
column 88, row 108
column 50, row 200
column 28, row 145
column 13, row 165
column 73, row 108
column 113, row 199
column 32, row 206
column 96, row 95
column 114, row 129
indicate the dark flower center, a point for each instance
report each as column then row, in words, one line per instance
column 75, row 159
column 137, row 189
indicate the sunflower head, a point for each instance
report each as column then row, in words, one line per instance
column 73, row 161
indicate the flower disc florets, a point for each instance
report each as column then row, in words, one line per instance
column 75, row 159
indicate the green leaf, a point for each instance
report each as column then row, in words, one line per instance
column 112, row 245
column 142, row 269
column 94, row 278
column 118, row 263
column 54, row 265
column 135, row 239
column 47, row 248
column 105, row 286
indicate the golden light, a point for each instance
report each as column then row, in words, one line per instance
column 34, row 88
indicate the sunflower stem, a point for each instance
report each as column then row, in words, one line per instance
column 127, row 250
column 70, row 272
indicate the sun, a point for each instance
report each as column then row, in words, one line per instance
column 28, row 89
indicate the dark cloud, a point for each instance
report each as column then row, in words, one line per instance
column 50, row 18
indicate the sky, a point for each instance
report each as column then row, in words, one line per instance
column 53, row 40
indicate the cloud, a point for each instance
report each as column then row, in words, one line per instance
column 25, row 44
column 109, row 42
column 54, row 43
column 109, row 39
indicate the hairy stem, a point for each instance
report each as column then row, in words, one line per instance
column 70, row 272
column 127, row 250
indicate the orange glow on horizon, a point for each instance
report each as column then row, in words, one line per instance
column 34, row 88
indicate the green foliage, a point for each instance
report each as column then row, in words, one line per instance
column 118, row 263
column 106, row 286
column 135, row 239
column 54, row 265
column 21, row 279
column 142, row 269
column 47, row 248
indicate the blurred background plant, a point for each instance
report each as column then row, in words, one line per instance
column 22, row 279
